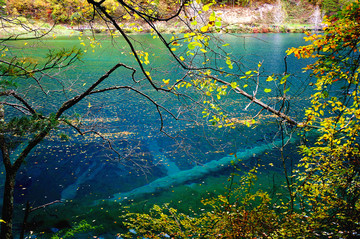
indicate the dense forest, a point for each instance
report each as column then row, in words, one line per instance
column 78, row 11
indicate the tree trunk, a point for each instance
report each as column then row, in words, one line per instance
column 8, row 205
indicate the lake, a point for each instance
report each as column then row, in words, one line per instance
column 150, row 162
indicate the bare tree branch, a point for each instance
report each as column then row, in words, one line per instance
column 19, row 98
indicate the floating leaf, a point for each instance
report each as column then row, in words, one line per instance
column 267, row 90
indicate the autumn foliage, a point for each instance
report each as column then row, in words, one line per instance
column 326, row 191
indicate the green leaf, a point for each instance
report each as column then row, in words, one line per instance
column 194, row 44
column 191, row 46
column 325, row 94
column 194, row 23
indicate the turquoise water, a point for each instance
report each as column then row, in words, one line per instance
column 85, row 169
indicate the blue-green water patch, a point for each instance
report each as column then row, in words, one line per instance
column 85, row 170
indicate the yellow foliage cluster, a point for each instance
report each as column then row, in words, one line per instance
column 331, row 180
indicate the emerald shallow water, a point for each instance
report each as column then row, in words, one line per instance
column 85, row 170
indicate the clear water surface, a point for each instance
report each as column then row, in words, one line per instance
column 84, row 168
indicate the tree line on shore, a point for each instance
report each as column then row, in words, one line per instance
column 79, row 11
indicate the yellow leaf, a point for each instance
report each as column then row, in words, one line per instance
column 267, row 90
column 206, row 7
column 212, row 18
column 204, row 28
column 269, row 78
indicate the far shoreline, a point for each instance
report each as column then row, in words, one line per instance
column 60, row 30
